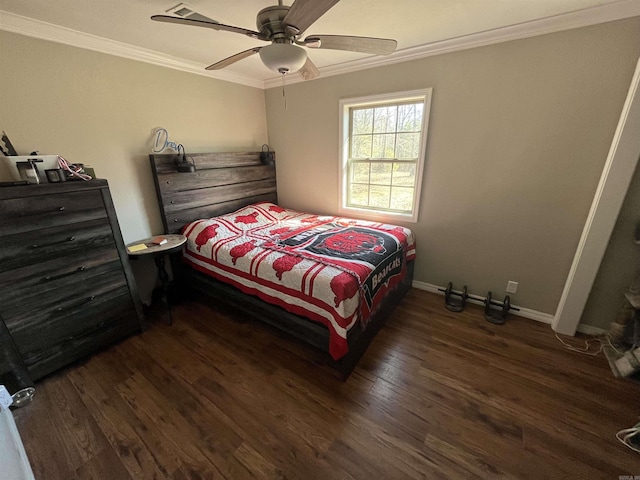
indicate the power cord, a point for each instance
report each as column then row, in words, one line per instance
column 605, row 340
column 625, row 436
column 587, row 345
column 74, row 171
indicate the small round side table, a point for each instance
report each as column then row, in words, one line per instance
column 174, row 244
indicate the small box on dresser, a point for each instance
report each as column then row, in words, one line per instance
column 66, row 286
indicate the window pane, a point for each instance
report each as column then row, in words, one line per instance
column 404, row 174
column 380, row 173
column 359, row 195
column 380, row 196
column 382, row 152
column 360, row 172
column 361, row 146
column 410, row 117
column 383, row 146
column 384, row 119
column 407, row 145
column 402, row 198
column 362, row 121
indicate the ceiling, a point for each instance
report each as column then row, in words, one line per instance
column 421, row 27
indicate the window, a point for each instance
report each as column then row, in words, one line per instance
column 383, row 146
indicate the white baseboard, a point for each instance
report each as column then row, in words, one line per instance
column 591, row 330
column 522, row 312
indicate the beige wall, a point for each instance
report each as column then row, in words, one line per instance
column 518, row 136
column 100, row 110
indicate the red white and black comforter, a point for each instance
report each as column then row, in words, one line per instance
column 332, row 270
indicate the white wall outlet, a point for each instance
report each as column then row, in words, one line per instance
column 512, row 287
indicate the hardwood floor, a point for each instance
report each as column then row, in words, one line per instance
column 437, row 395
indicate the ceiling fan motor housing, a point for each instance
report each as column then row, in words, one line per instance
column 282, row 55
column 270, row 25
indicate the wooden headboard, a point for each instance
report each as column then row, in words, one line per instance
column 222, row 183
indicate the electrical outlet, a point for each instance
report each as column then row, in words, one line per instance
column 512, row 287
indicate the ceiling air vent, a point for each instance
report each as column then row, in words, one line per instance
column 183, row 10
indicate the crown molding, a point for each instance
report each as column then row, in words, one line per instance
column 13, row 23
column 552, row 24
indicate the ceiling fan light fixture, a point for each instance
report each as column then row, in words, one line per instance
column 283, row 57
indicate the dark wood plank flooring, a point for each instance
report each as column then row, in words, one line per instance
column 437, row 395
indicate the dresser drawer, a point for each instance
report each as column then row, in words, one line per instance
column 61, row 325
column 61, row 296
column 57, row 271
column 26, row 309
column 25, row 214
column 42, row 245
column 116, row 319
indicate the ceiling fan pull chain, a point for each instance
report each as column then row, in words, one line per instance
column 283, row 93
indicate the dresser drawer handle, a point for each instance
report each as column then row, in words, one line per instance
column 68, row 239
column 65, row 274
column 86, row 300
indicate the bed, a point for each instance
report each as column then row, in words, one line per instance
column 252, row 234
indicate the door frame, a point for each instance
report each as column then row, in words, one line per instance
column 614, row 182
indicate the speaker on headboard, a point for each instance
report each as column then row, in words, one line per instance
column 184, row 165
column 267, row 157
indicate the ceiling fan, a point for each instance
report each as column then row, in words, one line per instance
column 283, row 26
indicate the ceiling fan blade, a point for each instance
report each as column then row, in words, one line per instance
column 377, row 46
column 203, row 23
column 309, row 71
column 233, row 59
column 304, row 12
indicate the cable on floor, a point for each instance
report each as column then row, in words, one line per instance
column 629, row 437
column 587, row 345
column 604, row 339
column 625, row 436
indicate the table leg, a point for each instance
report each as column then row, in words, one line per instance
column 164, row 282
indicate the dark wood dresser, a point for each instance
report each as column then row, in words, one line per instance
column 66, row 287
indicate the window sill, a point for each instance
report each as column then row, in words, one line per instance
column 378, row 216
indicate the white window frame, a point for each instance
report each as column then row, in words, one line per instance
column 377, row 100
